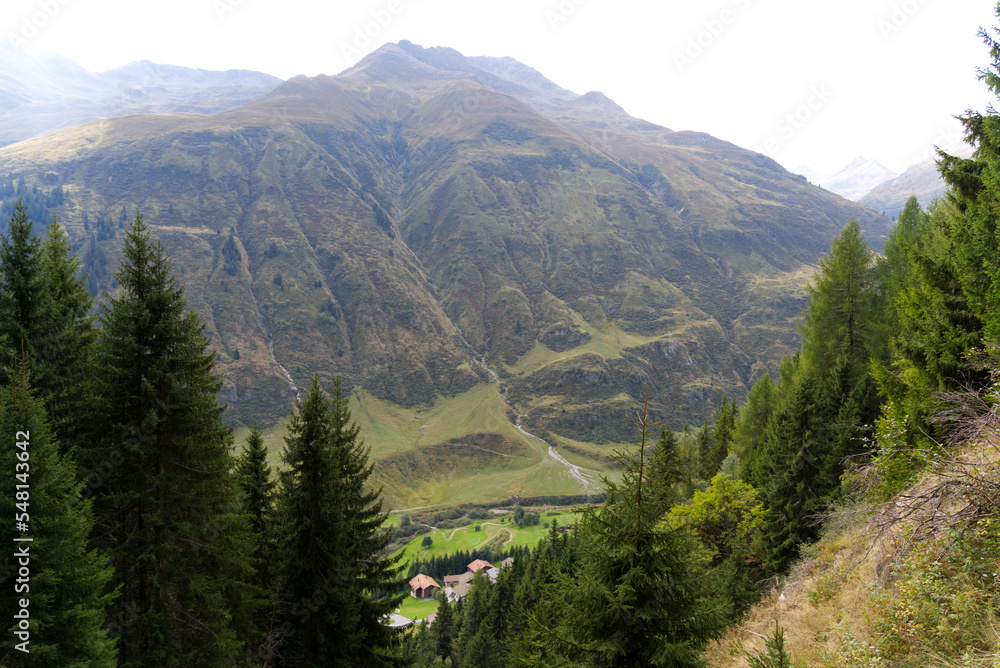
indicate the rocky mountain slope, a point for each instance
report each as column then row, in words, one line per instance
column 466, row 243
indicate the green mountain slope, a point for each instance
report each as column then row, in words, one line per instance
column 434, row 227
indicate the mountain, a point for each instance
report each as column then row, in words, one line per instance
column 921, row 180
column 812, row 176
column 858, row 178
column 486, row 258
column 41, row 92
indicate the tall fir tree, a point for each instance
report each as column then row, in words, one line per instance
column 937, row 325
column 750, row 431
column 722, row 436
column 258, row 492
column 666, row 476
column 332, row 539
column 793, row 489
column 25, row 303
column 476, row 644
column 706, row 446
column 63, row 581
column 444, row 629
column 975, row 185
column 70, row 342
column 45, row 312
column 167, row 504
column 636, row 600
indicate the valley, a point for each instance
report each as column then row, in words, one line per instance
column 470, row 247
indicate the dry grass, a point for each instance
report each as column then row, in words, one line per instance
column 834, row 598
column 826, row 592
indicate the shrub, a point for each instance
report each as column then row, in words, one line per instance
column 774, row 654
column 427, row 541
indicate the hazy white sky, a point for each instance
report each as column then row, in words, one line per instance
column 804, row 81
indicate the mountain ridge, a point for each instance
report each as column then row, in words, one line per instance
column 444, row 245
column 42, row 92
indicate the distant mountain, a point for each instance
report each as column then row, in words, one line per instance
column 858, row 178
column 922, row 180
column 811, row 175
column 478, row 252
column 42, row 92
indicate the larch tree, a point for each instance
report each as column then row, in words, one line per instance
column 840, row 318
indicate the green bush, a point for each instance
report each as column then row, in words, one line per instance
column 774, row 654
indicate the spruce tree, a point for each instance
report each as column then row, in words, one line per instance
column 69, row 344
column 45, row 312
column 332, row 539
column 722, row 435
column 444, row 628
column 794, row 490
column 66, row 583
column 975, row 184
column 749, row 433
column 161, row 462
column 258, row 489
column 636, row 600
column 706, row 446
column 254, row 474
column 937, row 326
column 25, row 304
column 476, row 644
column 665, row 473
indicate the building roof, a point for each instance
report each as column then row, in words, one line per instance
column 461, row 590
column 478, row 565
column 457, row 586
column 421, row 581
column 507, row 562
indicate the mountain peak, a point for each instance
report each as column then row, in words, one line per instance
column 858, row 178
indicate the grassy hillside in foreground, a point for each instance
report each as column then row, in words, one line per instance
column 915, row 592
